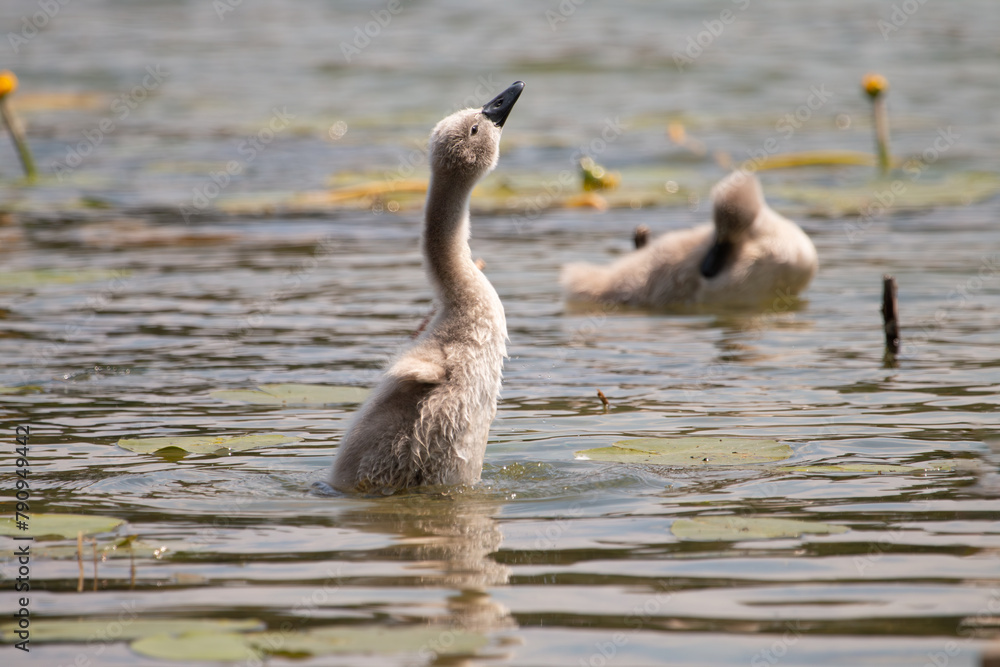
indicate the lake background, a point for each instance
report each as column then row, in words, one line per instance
column 145, row 272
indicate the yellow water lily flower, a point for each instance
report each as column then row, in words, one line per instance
column 8, row 82
column 874, row 84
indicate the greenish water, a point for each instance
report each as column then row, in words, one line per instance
column 551, row 559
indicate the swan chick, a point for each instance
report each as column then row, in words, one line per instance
column 748, row 256
column 428, row 419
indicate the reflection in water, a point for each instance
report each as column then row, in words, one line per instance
column 449, row 538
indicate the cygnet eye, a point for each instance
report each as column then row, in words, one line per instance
column 474, row 129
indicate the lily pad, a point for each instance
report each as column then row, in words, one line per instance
column 877, row 468
column 729, row 528
column 39, row 277
column 60, row 525
column 372, row 640
column 294, row 394
column 693, row 451
column 197, row 646
column 207, row 444
column 206, row 643
column 812, row 158
column 22, row 390
column 104, row 551
column 959, row 189
column 87, row 629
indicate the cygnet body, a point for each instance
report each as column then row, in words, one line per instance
column 749, row 256
column 428, row 420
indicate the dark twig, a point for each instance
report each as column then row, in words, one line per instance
column 890, row 318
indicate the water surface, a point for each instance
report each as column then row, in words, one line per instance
column 554, row 560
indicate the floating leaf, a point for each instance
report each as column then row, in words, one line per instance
column 305, row 394
column 39, row 277
column 75, row 101
column 877, row 468
column 60, row 525
column 220, row 640
column 23, row 389
column 372, row 640
column 207, row 444
column 251, row 396
column 729, row 528
column 811, row 158
column 295, row 394
column 197, row 646
column 904, row 194
column 87, row 629
column 695, row 451
column 104, row 551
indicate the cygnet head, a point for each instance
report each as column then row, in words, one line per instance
column 736, row 200
column 466, row 144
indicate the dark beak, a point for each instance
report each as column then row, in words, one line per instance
column 499, row 107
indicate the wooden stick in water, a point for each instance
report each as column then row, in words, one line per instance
column 890, row 317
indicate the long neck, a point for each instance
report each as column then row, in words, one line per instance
column 446, row 241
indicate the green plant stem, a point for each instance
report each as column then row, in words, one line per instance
column 20, row 141
column 881, row 133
